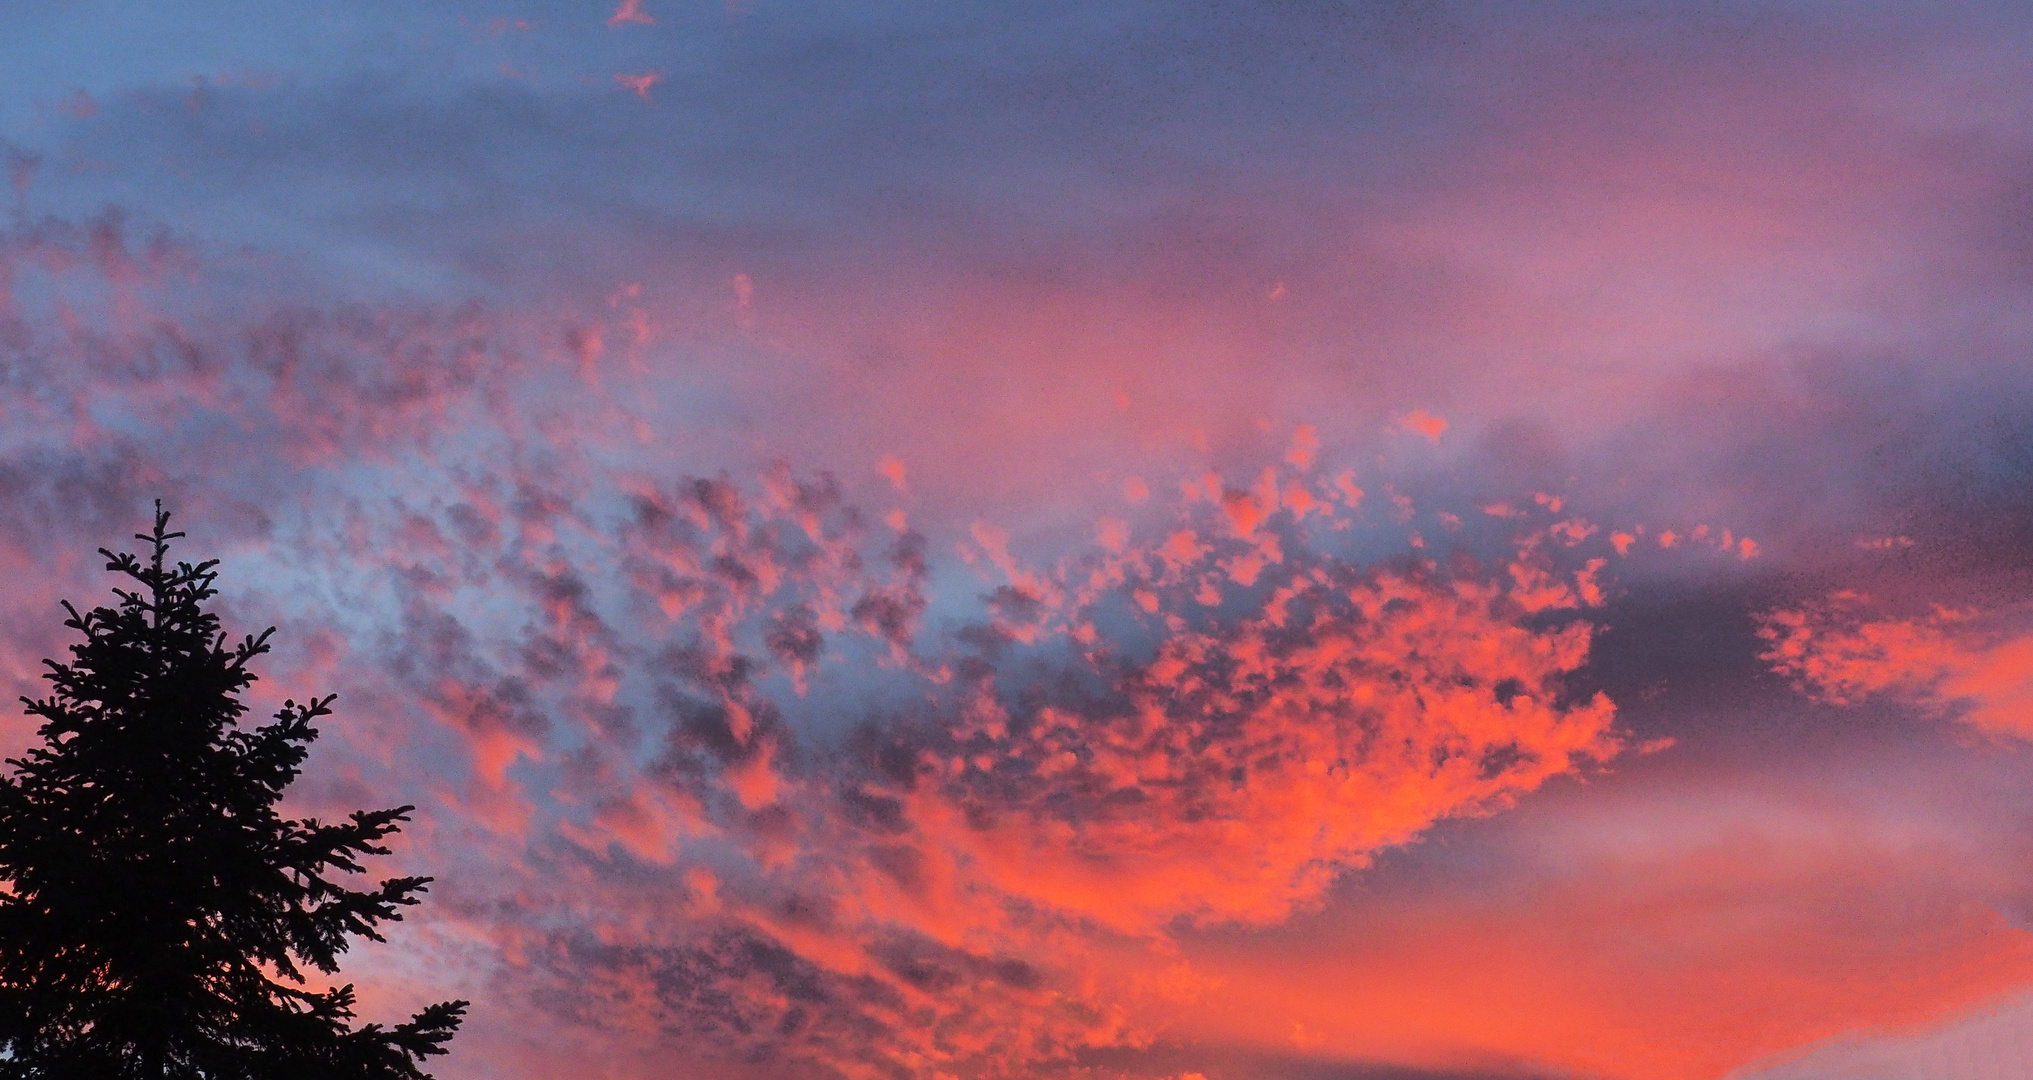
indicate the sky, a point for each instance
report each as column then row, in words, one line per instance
column 1404, row 540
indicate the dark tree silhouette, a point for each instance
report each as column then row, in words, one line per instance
column 155, row 911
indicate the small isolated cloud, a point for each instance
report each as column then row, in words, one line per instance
column 892, row 469
column 744, row 300
column 1421, row 422
column 630, row 11
column 1305, row 445
column 639, row 84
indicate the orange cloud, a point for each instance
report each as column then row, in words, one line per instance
column 951, row 887
column 1403, row 701
column 1671, row 943
column 1947, row 661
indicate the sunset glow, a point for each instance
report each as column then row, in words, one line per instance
column 1267, row 541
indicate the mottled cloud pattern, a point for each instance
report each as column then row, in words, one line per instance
column 1261, row 542
column 910, row 892
column 809, row 818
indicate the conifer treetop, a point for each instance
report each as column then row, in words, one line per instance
column 156, row 912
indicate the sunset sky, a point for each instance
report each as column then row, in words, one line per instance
column 1289, row 540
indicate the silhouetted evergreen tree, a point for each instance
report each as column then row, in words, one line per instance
column 155, row 911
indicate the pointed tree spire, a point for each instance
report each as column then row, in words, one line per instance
column 156, row 912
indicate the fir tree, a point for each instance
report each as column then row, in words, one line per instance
column 156, row 913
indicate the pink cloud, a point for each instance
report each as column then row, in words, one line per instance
column 1424, row 423
column 1305, row 445
column 892, row 469
column 639, row 84
column 630, row 11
